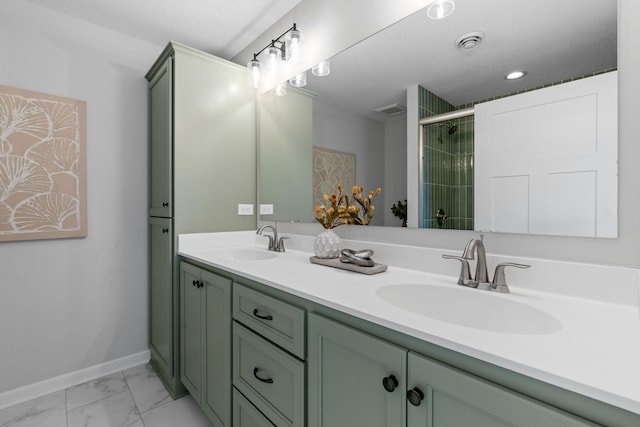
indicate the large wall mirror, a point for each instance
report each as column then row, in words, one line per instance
column 353, row 123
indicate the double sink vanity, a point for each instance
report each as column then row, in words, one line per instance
column 310, row 345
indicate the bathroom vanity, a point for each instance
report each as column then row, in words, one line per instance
column 273, row 339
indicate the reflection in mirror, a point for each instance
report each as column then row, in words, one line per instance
column 419, row 54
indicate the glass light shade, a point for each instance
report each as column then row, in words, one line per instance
column 281, row 89
column 254, row 68
column 275, row 55
column 322, row 68
column 294, row 39
column 440, row 9
column 299, row 80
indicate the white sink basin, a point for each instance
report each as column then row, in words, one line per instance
column 249, row 254
column 472, row 308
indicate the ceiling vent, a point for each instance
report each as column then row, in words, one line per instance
column 391, row 110
column 470, row 40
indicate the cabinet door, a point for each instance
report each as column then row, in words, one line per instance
column 160, row 137
column 216, row 400
column 190, row 329
column 346, row 371
column 455, row 398
column 161, row 294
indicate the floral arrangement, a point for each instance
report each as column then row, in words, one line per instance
column 340, row 209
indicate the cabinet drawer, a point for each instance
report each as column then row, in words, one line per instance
column 269, row 377
column 279, row 322
column 245, row 414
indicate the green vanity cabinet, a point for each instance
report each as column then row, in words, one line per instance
column 268, row 359
column 354, row 379
column 440, row 396
column 205, row 341
column 286, row 361
column 202, row 131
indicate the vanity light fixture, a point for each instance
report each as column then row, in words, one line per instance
column 440, row 9
column 287, row 47
column 322, row 68
column 515, row 75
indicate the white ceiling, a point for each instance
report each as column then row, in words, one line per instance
column 219, row 27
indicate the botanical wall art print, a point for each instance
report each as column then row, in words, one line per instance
column 42, row 166
column 330, row 168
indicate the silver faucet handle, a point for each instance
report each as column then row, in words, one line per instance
column 499, row 279
column 465, row 271
column 280, row 247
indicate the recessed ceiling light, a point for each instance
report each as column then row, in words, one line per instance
column 440, row 9
column 514, row 75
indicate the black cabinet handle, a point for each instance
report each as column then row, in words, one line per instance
column 415, row 396
column 194, row 283
column 165, row 204
column 264, row 380
column 200, row 283
column 259, row 316
column 390, row 383
column 165, row 230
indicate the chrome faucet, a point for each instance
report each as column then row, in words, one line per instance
column 275, row 244
column 481, row 278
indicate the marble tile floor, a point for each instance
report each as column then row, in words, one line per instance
column 131, row 398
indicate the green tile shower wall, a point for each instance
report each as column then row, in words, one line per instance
column 448, row 167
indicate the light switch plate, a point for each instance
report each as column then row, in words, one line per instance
column 245, row 209
column 266, row 209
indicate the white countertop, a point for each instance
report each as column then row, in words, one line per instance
column 595, row 353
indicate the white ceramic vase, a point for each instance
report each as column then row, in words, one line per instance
column 327, row 244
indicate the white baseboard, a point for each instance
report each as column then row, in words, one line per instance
column 41, row 388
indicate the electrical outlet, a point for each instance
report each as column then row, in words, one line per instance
column 245, row 209
column 266, row 209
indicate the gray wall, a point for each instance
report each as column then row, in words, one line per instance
column 73, row 303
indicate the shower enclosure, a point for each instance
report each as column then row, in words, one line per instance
column 446, row 171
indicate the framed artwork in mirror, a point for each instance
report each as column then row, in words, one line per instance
column 330, row 168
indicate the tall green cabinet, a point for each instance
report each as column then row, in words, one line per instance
column 202, row 164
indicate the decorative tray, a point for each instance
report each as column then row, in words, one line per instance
column 336, row 263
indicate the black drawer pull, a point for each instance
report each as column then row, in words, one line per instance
column 165, row 204
column 264, row 380
column 165, row 230
column 194, row 283
column 259, row 316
